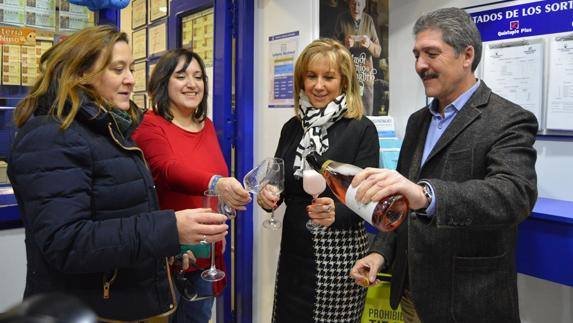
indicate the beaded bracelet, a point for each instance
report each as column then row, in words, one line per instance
column 214, row 181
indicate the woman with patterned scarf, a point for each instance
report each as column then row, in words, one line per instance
column 313, row 282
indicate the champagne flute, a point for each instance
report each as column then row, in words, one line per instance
column 211, row 201
column 314, row 184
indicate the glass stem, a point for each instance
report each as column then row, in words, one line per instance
column 212, row 256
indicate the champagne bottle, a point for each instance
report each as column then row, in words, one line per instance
column 385, row 215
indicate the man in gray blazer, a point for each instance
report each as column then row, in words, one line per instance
column 467, row 168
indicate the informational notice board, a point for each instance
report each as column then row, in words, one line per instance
column 528, row 57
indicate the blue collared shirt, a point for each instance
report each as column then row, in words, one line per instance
column 438, row 126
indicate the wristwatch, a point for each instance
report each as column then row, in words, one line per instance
column 427, row 193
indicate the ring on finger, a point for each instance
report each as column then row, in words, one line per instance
column 204, row 240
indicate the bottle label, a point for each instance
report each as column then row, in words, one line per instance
column 365, row 211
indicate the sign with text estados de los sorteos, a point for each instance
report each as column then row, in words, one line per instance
column 17, row 35
column 529, row 19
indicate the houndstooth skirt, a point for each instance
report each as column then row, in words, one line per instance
column 336, row 297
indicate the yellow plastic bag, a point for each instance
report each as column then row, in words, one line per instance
column 377, row 307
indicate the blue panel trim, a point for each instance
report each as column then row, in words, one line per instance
column 244, row 107
column 222, row 119
column 222, row 77
column 109, row 17
column 545, row 250
column 12, row 94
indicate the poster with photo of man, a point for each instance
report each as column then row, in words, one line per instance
column 362, row 26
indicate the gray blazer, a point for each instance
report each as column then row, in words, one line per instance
column 460, row 264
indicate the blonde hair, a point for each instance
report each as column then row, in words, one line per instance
column 65, row 70
column 339, row 57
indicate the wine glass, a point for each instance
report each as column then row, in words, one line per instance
column 313, row 183
column 211, row 201
column 255, row 179
column 269, row 176
column 275, row 185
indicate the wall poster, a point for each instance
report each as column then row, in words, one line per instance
column 362, row 26
column 283, row 49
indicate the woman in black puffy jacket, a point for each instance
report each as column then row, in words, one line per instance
column 91, row 216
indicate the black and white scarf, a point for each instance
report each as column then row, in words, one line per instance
column 315, row 123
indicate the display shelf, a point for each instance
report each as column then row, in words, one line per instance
column 545, row 242
column 9, row 215
column 553, row 210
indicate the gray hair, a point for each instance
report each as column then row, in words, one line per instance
column 457, row 27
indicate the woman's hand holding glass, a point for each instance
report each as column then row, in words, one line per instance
column 268, row 198
column 232, row 193
column 322, row 212
column 267, row 180
column 200, row 225
column 273, row 192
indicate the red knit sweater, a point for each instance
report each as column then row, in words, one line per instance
column 182, row 164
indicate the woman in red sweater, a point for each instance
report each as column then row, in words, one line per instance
column 184, row 155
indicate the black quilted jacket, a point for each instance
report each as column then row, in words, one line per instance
column 91, row 216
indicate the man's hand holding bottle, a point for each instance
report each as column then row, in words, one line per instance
column 374, row 184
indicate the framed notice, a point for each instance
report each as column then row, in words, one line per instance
column 11, row 13
column 42, row 46
column 11, row 65
column 514, row 70
column 41, row 14
column 157, row 9
column 140, row 99
column 151, row 67
column 157, row 38
column 74, row 17
column 139, row 69
column 560, row 87
column 138, row 13
column 139, row 43
column 197, row 32
column 29, row 66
